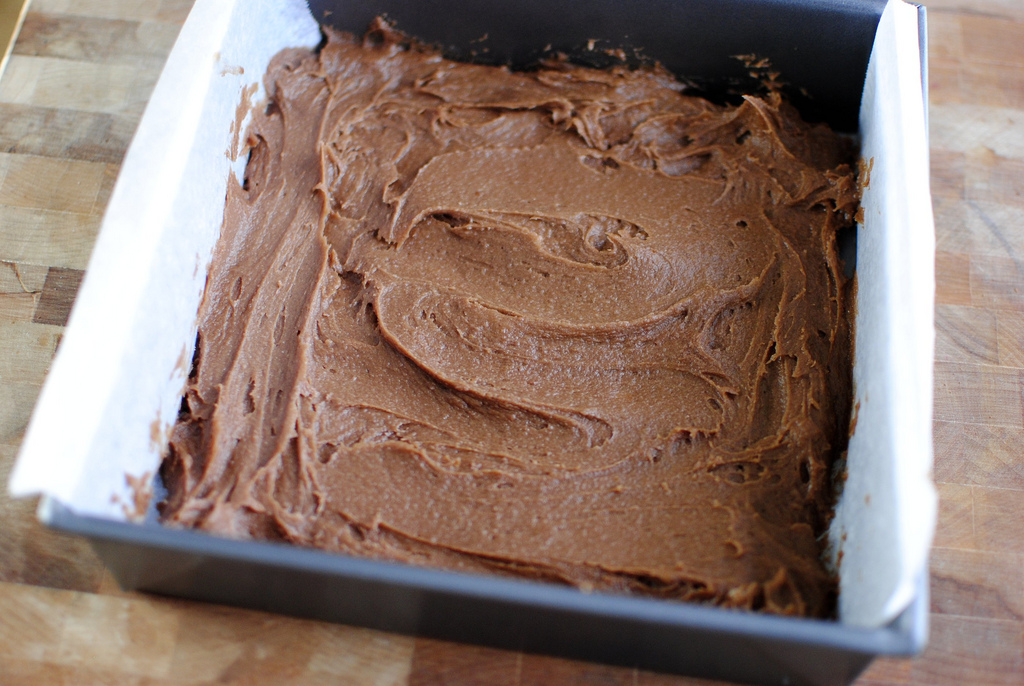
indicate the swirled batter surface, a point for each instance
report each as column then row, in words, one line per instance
column 568, row 324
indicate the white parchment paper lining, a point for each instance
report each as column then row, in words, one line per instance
column 886, row 517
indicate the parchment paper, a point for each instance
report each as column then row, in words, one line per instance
column 115, row 385
column 886, row 517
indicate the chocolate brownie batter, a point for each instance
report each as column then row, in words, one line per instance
column 569, row 324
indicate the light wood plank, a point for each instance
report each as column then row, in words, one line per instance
column 945, row 37
column 17, row 305
column 995, row 85
column 993, row 40
column 977, row 584
column 944, row 82
column 45, row 183
column 48, row 132
column 952, row 278
column 997, row 282
column 979, row 455
column 94, row 39
column 138, row 636
column 539, row 670
column 964, row 127
column 972, row 64
column 956, row 517
column 167, row 10
column 886, row 671
column 16, row 403
column 978, row 394
column 43, row 237
column 33, row 555
column 951, row 236
column 75, row 85
column 20, row 286
column 966, row 650
column 25, row 352
column 947, row 174
column 981, row 229
column 1010, row 338
column 965, row 334
column 20, row 672
column 190, row 643
column 644, row 678
column 992, row 178
column 1006, row 9
column 219, row 644
column 999, row 519
column 33, row 622
column 438, row 662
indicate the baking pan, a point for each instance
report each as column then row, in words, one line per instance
column 822, row 49
column 516, row 615
column 820, row 46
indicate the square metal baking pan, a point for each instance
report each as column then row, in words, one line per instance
column 505, row 613
column 822, row 48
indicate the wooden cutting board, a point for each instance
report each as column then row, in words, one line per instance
column 75, row 87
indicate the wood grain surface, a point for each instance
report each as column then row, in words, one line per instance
column 76, row 84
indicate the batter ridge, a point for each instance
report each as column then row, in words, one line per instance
column 567, row 324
